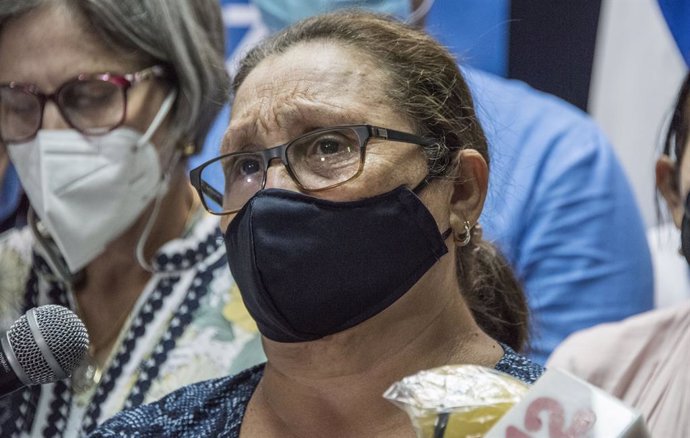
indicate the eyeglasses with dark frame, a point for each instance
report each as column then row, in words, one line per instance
column 316, row 161
column 93, row 104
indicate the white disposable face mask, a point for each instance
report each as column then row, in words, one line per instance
column 88, row 190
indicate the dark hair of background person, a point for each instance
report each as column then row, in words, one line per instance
column 677, row 134
column 674, row 143
column 425, row 84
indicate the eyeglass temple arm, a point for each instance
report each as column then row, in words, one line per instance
column 212, row 193
column 155, row 71
column 203, row 187
column 390, row 134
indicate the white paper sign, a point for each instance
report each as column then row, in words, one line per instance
column 560, row 405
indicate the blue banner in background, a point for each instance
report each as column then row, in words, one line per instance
column 677, row 16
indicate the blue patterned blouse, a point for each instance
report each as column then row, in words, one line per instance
column 216, row 407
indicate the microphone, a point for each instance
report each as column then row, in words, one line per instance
column 43, row 346
column 560, row 405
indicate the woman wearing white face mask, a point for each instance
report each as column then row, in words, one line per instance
column 100, row 104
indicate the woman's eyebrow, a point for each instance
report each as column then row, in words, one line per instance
column 234, row 139
column 240, row 137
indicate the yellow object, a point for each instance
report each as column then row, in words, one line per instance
column 456, row 401
column 469, row 423
column 236, row 312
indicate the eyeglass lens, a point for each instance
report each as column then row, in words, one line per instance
column 91, row 106
column 316, row 161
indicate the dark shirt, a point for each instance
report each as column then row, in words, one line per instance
column 215, row 408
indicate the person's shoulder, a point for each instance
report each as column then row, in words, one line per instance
column 590, row 353
column 660, row 317
column 201, row 409
column 610, row 334
column 519, row 366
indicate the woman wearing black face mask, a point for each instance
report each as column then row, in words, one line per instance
column 350, row 184
column 644, row 360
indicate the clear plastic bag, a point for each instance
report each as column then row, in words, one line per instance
column 456, row 401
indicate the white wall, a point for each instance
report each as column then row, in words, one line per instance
column 637, row 73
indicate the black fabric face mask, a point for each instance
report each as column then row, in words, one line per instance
column 308, row 268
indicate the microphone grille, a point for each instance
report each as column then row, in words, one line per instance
column 64, row 335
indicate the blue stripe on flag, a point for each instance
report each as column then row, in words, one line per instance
column 677, row 15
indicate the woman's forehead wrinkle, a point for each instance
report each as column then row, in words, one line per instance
column 299, row 105
column 276, row 111
column 277, row 99
column 267, row 118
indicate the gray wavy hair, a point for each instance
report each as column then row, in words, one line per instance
column 186, row 35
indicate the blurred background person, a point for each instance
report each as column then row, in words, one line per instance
column 672, row 276
column 101, row 104
column 643, row 360
column 559, row 206
column 353, row 180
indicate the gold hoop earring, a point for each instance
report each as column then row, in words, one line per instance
column 188, row 150
column 466, row 236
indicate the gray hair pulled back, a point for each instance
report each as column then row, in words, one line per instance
column 186, row 35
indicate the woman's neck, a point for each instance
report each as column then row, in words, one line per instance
column 334, row 386
column 114, row 280
column 169, row 223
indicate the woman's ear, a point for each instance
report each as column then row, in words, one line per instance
column 469, row 190
column 667, row 184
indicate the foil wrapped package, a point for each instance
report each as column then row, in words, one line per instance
column 456, row 401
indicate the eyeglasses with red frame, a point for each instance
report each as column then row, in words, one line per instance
column 93, row 104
